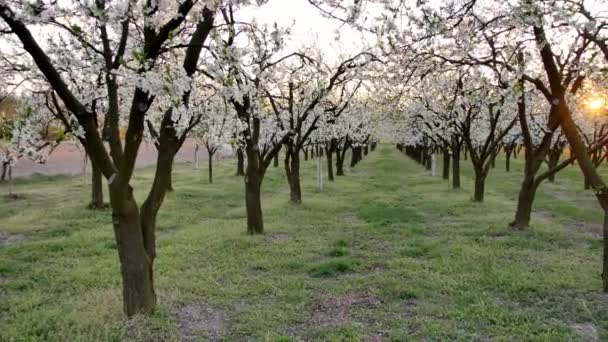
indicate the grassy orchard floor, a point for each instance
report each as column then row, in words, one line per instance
column 385, row 251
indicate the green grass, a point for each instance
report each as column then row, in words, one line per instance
column 385, row 250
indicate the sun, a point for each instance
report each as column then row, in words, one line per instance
column 595, row 103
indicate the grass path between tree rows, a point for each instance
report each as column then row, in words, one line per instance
column 385, row 253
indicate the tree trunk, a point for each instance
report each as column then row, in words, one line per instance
column 275, row 161
column 253, row 193
column 240, row 163
column 553, row 160
column 422, row 156
column 508, row 153
column 339, row 163
column 525, row 200
column 446, row 164
column 296, row 189
column 306, row 154
column 136, row 265
column 605, row 262
column 480, row 184
column 136, row 231
column 365, row 150
column 356, row 155
column 428, row 162
column 11, row 185
column 3, row 172
column 465, row 153
column 292, row 169
column 571, row 132
column 330, row 166
column 96, row 187
column 353, row 156
column 85, row 161
column 313, row 150
column 196, row 164
column 210, row 163
column 455, row 166
column 319, row 174
column 170, row 182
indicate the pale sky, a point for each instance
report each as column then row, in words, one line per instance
column 310, row 25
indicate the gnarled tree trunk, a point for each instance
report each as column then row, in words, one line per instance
column 138, row 228
column 136, row 265
column 428, row 162
column 170, row 183
column 553, row 160
column 3, row 172
column 480, row 185
column 240, row 162
column 196, row 163
column 446, row 163
column 253, row 192
column 96, row 187
column 292, row 170
column 339, row 164
column 605, row 259
column 353, row 157
column 330, row 163
column 525, row 200
column 455, row 165
column 210, row 163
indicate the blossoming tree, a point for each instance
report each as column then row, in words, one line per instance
column 133, row 44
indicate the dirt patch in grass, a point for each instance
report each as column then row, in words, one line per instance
column 258, row 271
column 10, row 239
column 361, row 310
column 600, row 297
column 14, row 197
column 379, row 337
column 277, row 236
column 586, row 331
column 198, row 319
column 545, row 216
column 373, row 268
column 443, row 219
column 337, row 310
column 594, row 229
column 348, row 219
column 582, row 199
column 409, row 307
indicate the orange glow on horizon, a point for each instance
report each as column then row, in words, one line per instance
column 595, row 103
